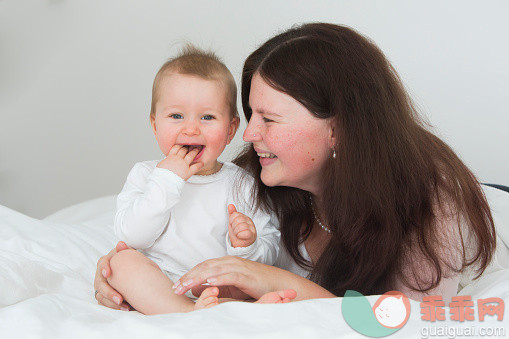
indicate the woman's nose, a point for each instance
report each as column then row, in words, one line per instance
column 252, row 132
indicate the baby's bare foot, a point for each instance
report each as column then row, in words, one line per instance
column 277, row 297
column 208, row 298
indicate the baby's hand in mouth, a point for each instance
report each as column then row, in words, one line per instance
column 180, row 160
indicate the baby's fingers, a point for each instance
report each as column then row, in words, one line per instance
column 182, row 151
column 238, row 218
column 243, row 231
column 189, row 157
column 231, row 208
column 245, row 235
column 175, row 149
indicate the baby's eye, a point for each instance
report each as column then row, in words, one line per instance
column 176, row 116
column 208, row 117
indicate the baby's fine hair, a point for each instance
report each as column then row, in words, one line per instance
column 205, row 64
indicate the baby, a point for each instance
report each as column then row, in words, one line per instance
column 176, row 212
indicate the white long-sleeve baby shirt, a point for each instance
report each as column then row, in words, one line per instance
column 179, row 224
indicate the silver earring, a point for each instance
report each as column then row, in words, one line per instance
column 254, row 135
column 333, row 153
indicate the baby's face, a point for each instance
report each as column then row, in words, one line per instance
column 193, row 111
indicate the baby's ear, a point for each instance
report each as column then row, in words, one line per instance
column 234, row 125
column 153, row 123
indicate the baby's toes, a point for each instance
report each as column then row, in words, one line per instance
column 288, row 294
column 269, row 298
column 208, row 298
column 206, row 303
column 210, row 292
column 278, row 297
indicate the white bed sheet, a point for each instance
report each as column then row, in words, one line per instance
column 46, row 276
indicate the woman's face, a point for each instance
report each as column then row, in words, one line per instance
column 292, row 144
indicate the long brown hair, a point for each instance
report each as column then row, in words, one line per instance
column 390, row 179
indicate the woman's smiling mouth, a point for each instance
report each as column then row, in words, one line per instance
column 266, row 158
column 266, row 155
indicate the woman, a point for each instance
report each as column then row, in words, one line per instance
column 367, row 198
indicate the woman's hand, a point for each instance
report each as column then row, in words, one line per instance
column 249, row 278
column 104, row 293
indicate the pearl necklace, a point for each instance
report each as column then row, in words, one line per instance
column 325, row 228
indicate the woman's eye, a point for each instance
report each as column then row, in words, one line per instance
column 176, row 116
column 208, row 117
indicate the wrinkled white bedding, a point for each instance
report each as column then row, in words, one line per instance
column 46, row 276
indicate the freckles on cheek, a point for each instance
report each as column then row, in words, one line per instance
column 307, row 149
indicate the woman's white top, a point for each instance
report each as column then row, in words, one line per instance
column 285, row 261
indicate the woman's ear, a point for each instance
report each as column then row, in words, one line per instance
column 234, row 125
column 332, row 135
column 153, row 122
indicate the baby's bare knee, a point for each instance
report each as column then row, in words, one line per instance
column 123, row 264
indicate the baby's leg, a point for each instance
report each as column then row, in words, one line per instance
column 144, row 286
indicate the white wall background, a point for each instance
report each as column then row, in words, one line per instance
column 75, row 79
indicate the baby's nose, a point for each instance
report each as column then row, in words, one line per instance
column 191, row 128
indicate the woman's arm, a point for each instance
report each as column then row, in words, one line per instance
column 252, row 278
column 104, row 293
